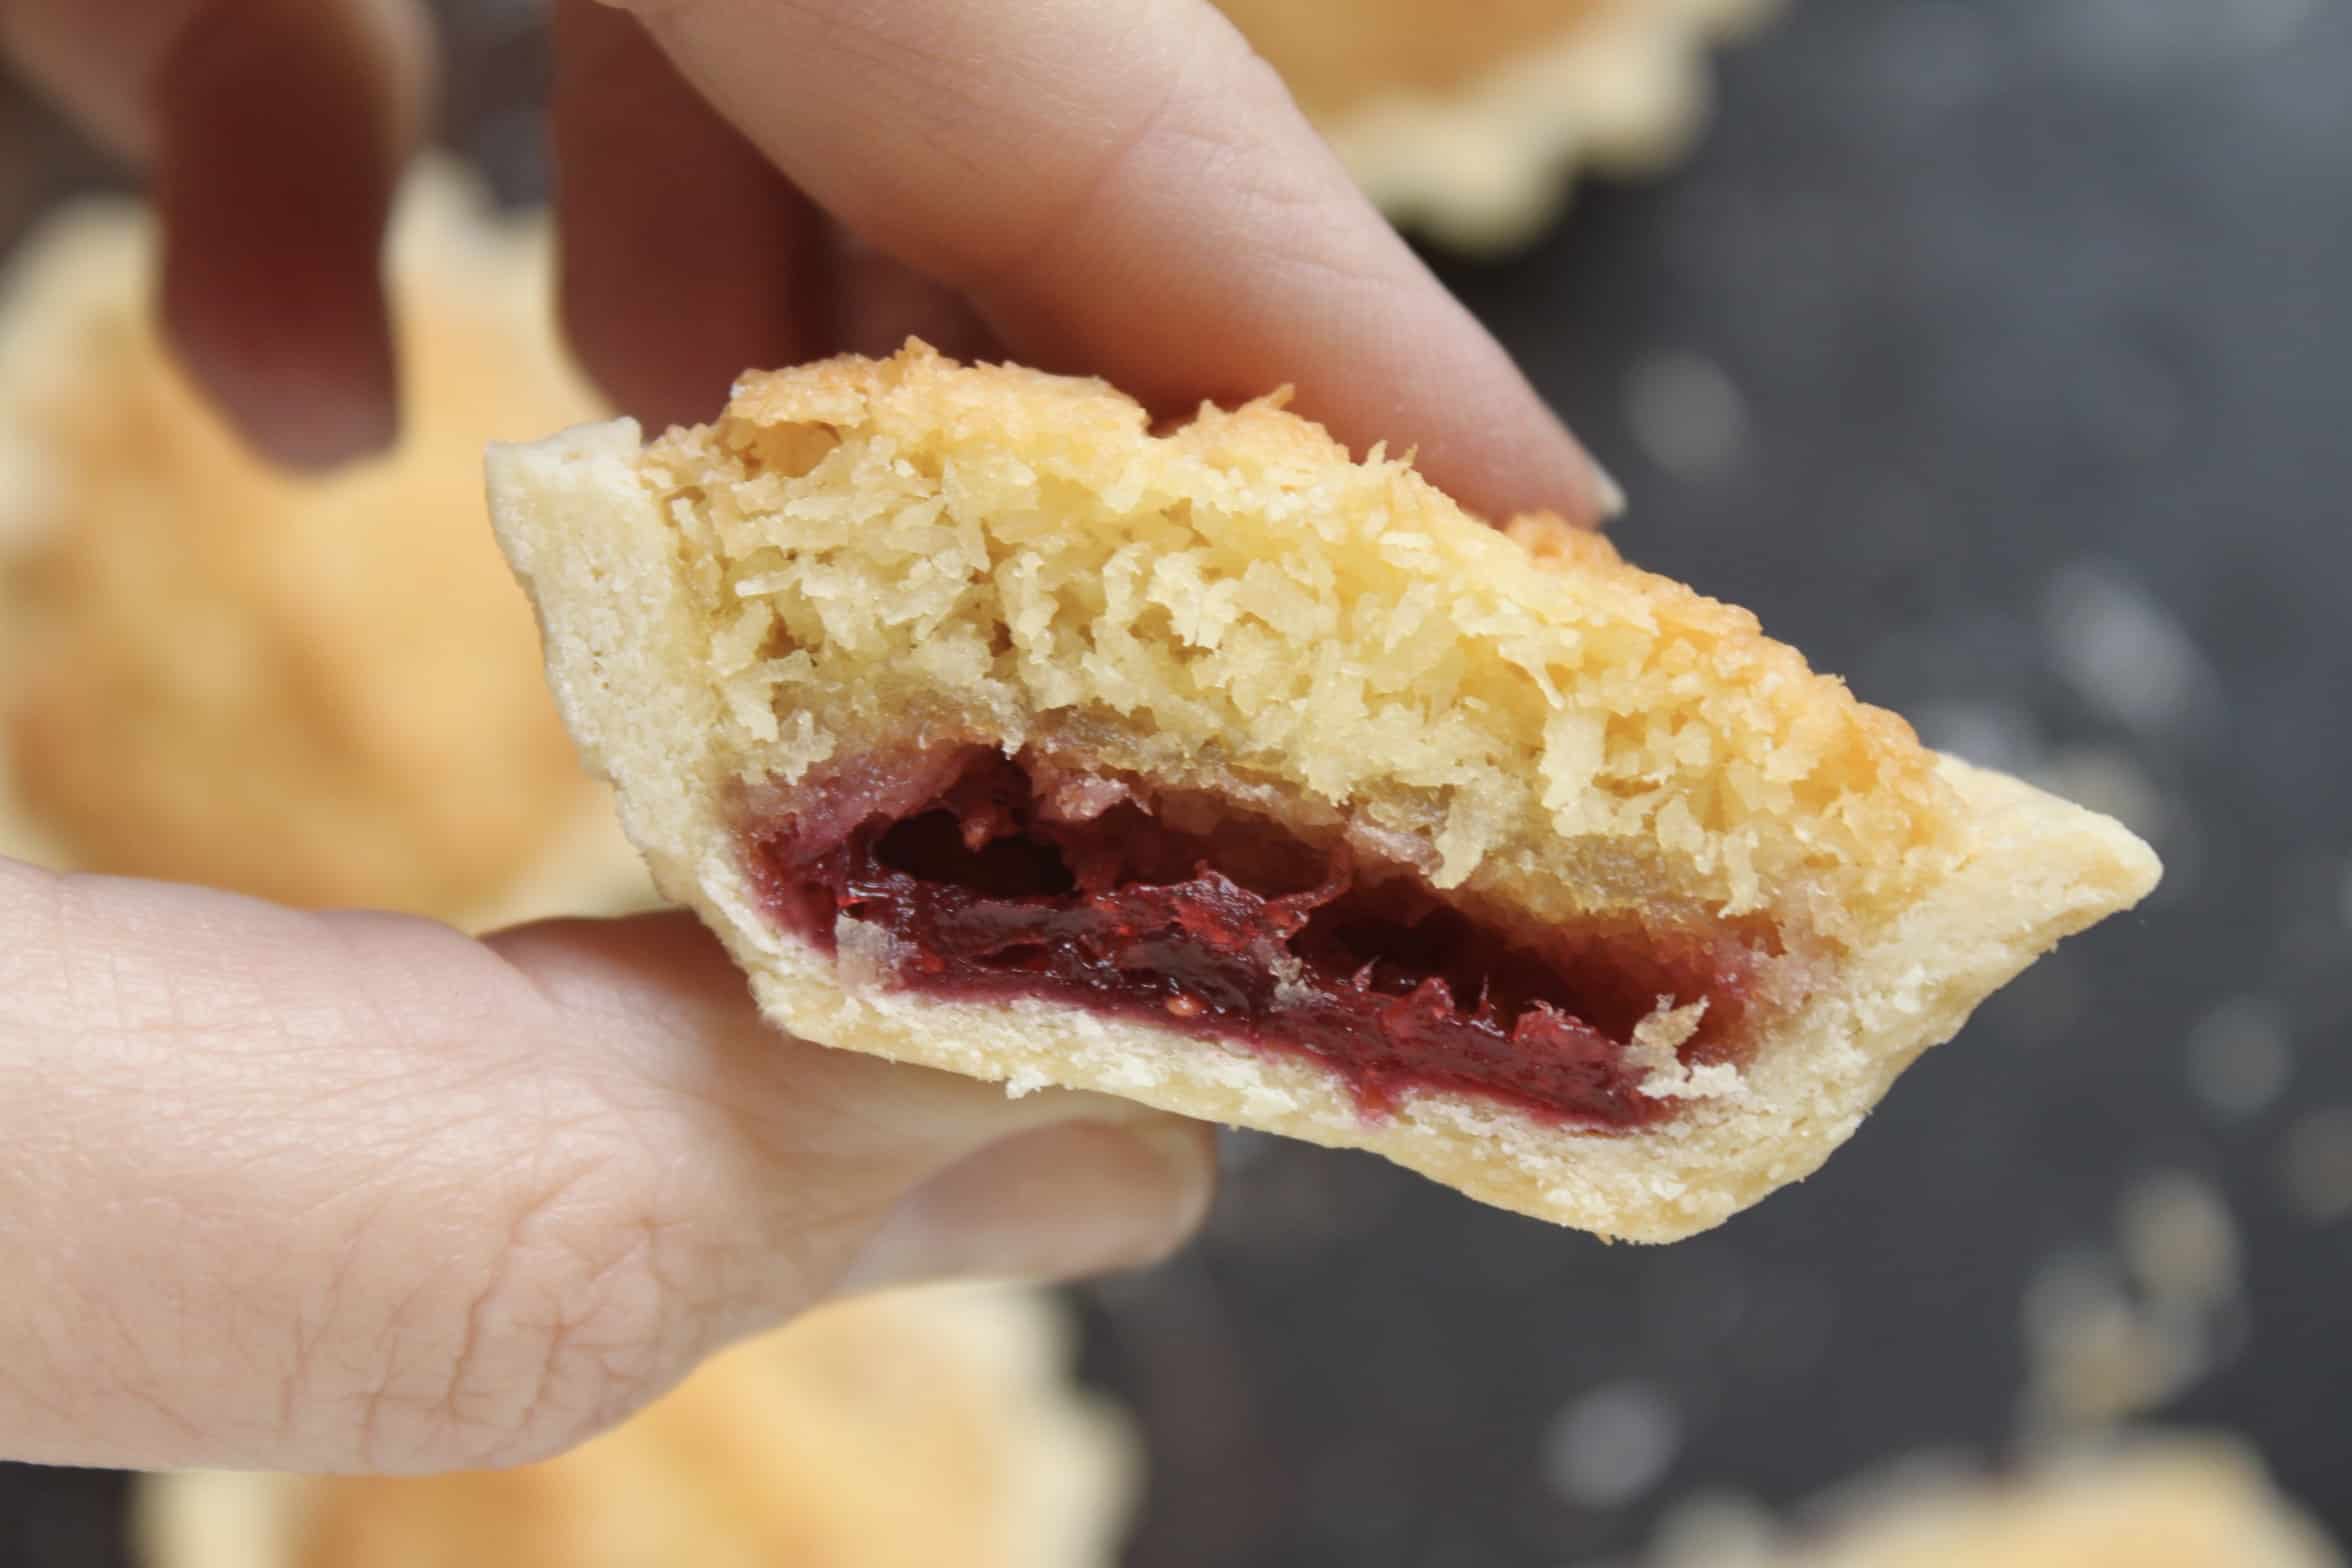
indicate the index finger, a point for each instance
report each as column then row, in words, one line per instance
column 1127, row 189
column 273, row 131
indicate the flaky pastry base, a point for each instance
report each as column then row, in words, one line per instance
column 1912, row 885
column 916, row 1428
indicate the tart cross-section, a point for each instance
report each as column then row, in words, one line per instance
column 996, row 731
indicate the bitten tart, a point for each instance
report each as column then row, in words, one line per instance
column 904, row 1430
column 1469, row 121
column 995, row 732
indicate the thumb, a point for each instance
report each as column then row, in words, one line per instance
column 352, row 1192
column 935, row 1176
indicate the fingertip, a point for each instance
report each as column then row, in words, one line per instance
column 282, row 133
column 310, row 412
column 1510, row 457
column 1059, row 1203
column 1567, row 481
column 880, row 302
column 293, row 345
column 1188, row 1152
column 1608, row 495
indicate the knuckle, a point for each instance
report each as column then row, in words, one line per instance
column 569, row 1330
column 572, row 1301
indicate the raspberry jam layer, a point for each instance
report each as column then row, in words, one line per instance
column 1005, row 877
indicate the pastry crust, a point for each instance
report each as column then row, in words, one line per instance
column 324, row 691
column 899, row 1431
column 862, row 551
column 1471, row 122
column 2155, row 1502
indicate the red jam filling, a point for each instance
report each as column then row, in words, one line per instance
column 1001, row 877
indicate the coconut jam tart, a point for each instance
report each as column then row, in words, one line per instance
column 1469, row 121
column 995, row 732
column 2143, row 1500
column 904, row 1430
column 322, row 690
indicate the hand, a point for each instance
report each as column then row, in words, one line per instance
column 350, row 1191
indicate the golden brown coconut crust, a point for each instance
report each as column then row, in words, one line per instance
column 861, row 554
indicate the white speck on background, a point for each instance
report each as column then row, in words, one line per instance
column 2124, row 652
column 2093, row 1357
column 1686, row 414
column 1611, row 1446
column 2066, row 1290
column 2110, row 1334
column 2239, row 1057
column 2180, row 1242
column 2315, row 1164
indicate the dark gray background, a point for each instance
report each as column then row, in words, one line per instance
column 1993, row 352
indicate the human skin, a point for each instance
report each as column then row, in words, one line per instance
column 349, row 1191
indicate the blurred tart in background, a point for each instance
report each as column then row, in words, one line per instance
column 1468, row 121
column 912, row 1430
column 320, row 690
column 2150, row 1501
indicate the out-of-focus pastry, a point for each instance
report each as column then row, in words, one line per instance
column 2155, row 1502
column 1469, row 119
column 319, row 690
column 910, row 1430
column 997, row 733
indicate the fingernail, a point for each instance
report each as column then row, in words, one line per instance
column 1076, row 1199
column 310, row 430
column 311, row 405
column 329, row 436
column 1608, row 494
